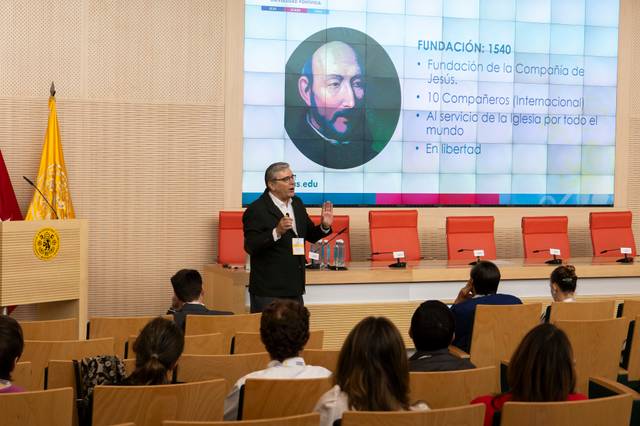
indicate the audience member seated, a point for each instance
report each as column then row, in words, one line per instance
column 11, row 345
column 188, row 296
column 481, row 289
column 284, row 330
column 432, row 330
column 372, row 373
column 540, row 370
column 563, row 283
column 157, row 348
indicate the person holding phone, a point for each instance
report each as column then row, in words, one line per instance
column 276, row 226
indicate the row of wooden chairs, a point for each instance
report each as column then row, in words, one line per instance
column 194, row 403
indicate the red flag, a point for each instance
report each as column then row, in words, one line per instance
column 9, row 209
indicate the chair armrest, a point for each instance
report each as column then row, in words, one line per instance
column 455, row 351
column 601, row 387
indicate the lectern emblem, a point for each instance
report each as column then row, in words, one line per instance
column 46, row 244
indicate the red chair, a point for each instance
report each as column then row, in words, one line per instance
column 543, row 233
column 394, row 230
column 231, row 238
column 340, row 222
column 610, row 231
column 470, row 233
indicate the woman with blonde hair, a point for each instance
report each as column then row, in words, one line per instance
column 372, row 373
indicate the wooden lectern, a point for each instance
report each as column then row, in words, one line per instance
column 30, row 273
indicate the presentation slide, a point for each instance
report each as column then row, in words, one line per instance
column 433, row 102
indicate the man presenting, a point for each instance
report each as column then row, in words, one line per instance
column 275, row 227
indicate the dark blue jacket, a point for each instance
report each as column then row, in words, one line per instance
column 466, row 311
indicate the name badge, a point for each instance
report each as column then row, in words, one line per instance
column 478, row 253
column 554, row 252
column 398, row 254
column 297, row 245
column 625, row 250
column 314, row 256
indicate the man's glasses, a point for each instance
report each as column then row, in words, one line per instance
column 286, row 179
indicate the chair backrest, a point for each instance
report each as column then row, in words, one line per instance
column 611, row 230
column 596, row 347
column 470, row 232
column 466, row 415
column 321, row 358
column 228, row 325
column 340, row 222
column 499, row 329
column 543, row 233
column 231, row 238
column 120, row 328
column 267, row 398
column 311, row 419
column 247, row 343
column 443, row 389
column 193, row 368
column 614, row 410
column 197, row 344
column 37, row 408
column 22, row 375
column 41, row 352
column 150, row 405
column 633, row 369
column 394, row 230
column 62, row 329
column 631, row 308
column 592, row 310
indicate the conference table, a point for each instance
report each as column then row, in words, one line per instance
column 337, row 300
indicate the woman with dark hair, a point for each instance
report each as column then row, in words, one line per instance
column 563, row 283
column 541, row 370
column 11, row 346
column 157, row 349
column 372, row 373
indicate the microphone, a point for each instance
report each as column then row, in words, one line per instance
column 625, row 259
column 398, row 264
column 554, row 261
column 42, row 195
column 293, row 230
column 475, row 262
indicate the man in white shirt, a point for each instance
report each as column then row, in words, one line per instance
column 275, row 228
column 284, row 329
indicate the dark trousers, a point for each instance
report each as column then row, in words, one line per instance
column 258, row 303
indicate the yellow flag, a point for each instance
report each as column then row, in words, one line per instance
column 52, row 176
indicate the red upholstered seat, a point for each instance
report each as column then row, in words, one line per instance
column 339, row 222
column 231, row 238
column 611, row 230
column 394, row 230
column 470, row 232
column 543, row 233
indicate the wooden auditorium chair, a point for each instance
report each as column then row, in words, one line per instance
column 37, row 408
column 591, row 310
column 150, row 405
column 311, row 419
column 499, row 329
column 468, row 233
column 340, row 222
column 609, row 232
column 444, row 389
column 394, row 230
column 326, row 358
column 119, row 328
column 541, row 233
column 268, row 398
column 62, row 329
column 228, row 325
column 197, row 344
column 40, row 352
column 596, row 348
column 247, row 343
column 195, row 368
column 22, row 375
column 231, row 238
column 466, row 415
column 611, row 411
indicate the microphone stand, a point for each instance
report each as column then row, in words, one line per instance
column 475, row 262
column 397, row 264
